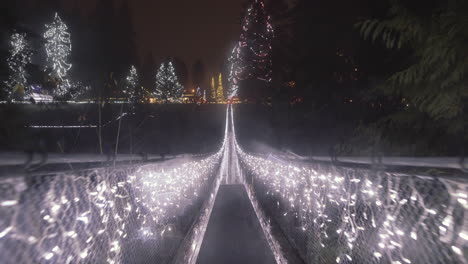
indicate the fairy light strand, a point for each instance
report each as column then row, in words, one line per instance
column 387, row 217
column 88, row 217
column 20, row 57
column 131, row 84
column 168, row 87
column 251, row 58
column 58, row 49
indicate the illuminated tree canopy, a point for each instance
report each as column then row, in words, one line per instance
column 234, row 72
column 20, row 57
column 213, row 88
column 168, row 87
column 131, row 83
column 220, row 90
column 58, row 49
column 251, row 57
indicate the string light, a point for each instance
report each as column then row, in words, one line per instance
column 20, row 57
column 58, row 49
column 220, row 89
column 234, row 72
column 132, row 82
column 167, row 84
column 251, row 57
column 388, row 205
column 213, row 88
column 88, row 216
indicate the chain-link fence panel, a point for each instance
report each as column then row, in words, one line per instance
column 334, row 214
column 131, row 214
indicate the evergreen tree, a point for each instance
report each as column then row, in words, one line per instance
column 251, row 58
column 131, row 84
column 234, row 71
column 220, row 90
column 213, row 88
column 20, row 57
column 58, row 49
column 168, row 87
column 432, row 89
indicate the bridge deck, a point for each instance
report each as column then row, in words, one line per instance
column 234, row 234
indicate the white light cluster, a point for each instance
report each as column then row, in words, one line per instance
column 234, row 72
column 93, row 216
column 251, row 58
column 168, row 87
column 58, row 49
column 20, row 57
column 132, row 82
column 392, row 207
column 78, row 89
column 165, row 193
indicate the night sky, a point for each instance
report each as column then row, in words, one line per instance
column 186, row 29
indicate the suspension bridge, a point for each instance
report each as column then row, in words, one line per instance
column 235, row 207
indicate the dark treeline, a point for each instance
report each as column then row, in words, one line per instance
column 390, row 71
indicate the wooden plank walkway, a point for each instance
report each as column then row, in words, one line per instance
column 234, row 234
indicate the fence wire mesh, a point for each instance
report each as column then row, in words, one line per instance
column 133, row 214
column 333, row 214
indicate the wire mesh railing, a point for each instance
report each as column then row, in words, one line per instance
column 128, row 214
column 336, row 214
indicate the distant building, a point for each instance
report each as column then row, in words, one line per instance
column 189, row 96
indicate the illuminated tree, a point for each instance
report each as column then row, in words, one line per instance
column 234, row 72
column 58, row 49
column 168, row 87
column 20, row 57
column 251, row 58
column 213, row 88
column 220, row 90
column 131, row 84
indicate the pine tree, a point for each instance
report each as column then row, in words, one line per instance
column 213, row 88
column 234, row 72
column 58, row 49
column 251, row 58
column 131, row 84
column 20, row 57
column 220, row 90
column 168, row 87
column 434, row 87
